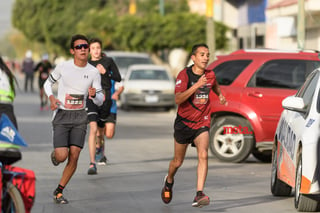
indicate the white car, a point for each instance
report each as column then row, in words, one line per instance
column 296, row 149
column 125, row 59
column 148, row 85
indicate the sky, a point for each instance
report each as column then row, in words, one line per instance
column 5, row 16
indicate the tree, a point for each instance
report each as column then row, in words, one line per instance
column 153, row 6
column 50, row 22
column 150, row 34
column 100, row 23
column 53, row 22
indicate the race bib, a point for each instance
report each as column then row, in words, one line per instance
column 73, row 101
column 201, row 96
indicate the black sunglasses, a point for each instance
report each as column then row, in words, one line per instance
column 79, row 46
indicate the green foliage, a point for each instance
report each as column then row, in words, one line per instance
column 53, row 22
column 220, row 35
column 6, row 48
column 163, row 32
column 48, row 21
column 99, row 23
column 153, row 6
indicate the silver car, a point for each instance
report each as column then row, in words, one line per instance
column 124, row 59
column 148, row 85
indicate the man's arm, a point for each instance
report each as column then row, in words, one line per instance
column 52, row 79
column 216, row 89
column 98, row 97
column 95, row 92
column 115, row 74
column 116, row 94
column 183, row 96
column 37, row 67
column 48, row 90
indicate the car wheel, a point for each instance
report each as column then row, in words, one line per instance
column 230, row 146
column 302, row 202
column 262, row 156
column 278, row 187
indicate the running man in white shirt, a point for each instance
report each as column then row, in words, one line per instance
column 78, row 80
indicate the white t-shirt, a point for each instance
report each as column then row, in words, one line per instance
column 74, row 83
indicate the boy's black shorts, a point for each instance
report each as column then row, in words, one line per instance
column 98, row 113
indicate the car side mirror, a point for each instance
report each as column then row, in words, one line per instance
column 294, row 104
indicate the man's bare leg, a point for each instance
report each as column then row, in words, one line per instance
column 176, row 162
column 92, row 141
column 202, row 144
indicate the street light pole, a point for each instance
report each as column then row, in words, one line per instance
column 210, row 29
column 161, row 7
column 301, row 25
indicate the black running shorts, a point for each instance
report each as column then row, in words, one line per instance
column 96, row 113
column 184, row 134
column 69, row 128
column 112, row 118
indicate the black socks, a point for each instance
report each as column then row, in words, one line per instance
column 59, row 189
column 199, row 193
column 169, row 185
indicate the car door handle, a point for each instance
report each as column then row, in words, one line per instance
column 255, row 94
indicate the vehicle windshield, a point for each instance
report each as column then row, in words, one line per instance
column 149, row 75
column 125, row 62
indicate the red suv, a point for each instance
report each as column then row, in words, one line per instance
column 254, row 82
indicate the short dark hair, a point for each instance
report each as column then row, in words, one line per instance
column 196, row 46
column 94, row 40
column 77, row 37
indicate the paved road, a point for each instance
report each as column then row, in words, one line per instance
column 138, row 160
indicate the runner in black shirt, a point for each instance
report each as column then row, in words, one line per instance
column 98, row 115
column 44, row 67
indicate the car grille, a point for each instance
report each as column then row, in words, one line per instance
column 151, row 91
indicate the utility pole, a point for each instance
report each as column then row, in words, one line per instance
column 210, row 29
column 161, row 10
column 301, row 25
column 161, row 7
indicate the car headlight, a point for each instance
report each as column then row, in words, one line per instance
column 167, row 91
column 133, row 90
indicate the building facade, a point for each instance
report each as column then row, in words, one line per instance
column 266, row 23
column 282, row 24
column 245, row 19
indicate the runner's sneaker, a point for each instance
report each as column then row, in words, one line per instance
column 102, row 161
column 200, row 200
column 92, row 169
column 166, row 193
column 53, row 159
column 59, row 199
